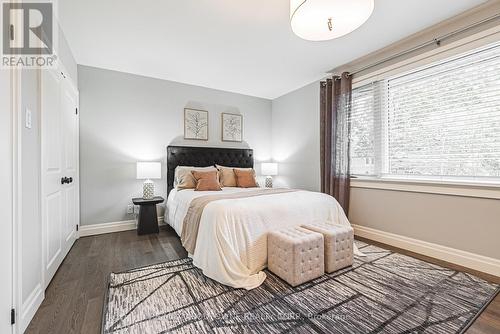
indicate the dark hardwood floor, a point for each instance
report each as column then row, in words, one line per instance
column 74, row 299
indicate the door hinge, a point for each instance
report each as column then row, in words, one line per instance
column 11, row 32
column 13, row 316
column 77, row 227
column 76, row 111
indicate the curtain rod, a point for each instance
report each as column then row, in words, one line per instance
column 436, row 41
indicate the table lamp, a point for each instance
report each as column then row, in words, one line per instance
column 147, row 171
column 269, row 169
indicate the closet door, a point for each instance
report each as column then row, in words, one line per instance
column 52, row 168
column 59, row 166
column 69, row 113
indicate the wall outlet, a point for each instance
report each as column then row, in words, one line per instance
column 130, row 209
column 136, row 209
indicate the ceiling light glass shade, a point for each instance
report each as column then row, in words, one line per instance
column 321, row 20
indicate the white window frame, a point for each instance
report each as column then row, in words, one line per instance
column 454, row 187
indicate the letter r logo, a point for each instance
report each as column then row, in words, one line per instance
column 27, row 28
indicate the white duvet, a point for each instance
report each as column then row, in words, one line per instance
column 231, row 247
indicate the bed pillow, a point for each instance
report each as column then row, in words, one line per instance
column 178, row 169
column 245, row 178
column 183, row 179
column 206, row 180
column 227, row 176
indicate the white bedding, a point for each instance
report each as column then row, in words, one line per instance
column 231, row 247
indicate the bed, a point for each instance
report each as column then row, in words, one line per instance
column 231, row 239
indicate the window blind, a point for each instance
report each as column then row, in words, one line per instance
column 441, row 121
column 362, row 137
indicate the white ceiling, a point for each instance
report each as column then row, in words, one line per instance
column 239, row 46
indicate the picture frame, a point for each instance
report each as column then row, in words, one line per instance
column 232, row 127
column 195, row 124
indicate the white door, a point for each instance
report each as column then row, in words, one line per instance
column 6, row 214
column 69, row 112
column 59, row 155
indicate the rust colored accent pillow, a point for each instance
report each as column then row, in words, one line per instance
column 184, row 179
column 245, row 178
column 206, row 180
column 227, row 176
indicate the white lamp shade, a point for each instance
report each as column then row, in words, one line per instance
column 269, row 168
column 148, row 170
column 320, row 20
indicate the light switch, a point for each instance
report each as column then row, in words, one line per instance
column 27, row 119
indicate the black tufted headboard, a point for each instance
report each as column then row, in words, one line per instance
column 205, row 156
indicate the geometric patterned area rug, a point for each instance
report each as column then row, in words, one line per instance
column 384, row 292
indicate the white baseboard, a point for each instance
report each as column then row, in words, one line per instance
column 125, row 225
column 465, row 259
column 30, row 306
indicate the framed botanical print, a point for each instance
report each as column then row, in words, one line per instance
column 232, row 127
column 195, row 124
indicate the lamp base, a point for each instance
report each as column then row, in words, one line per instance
column 269, row 181
column 148, row 189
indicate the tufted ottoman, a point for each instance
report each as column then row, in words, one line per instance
column 296, row 255
column 339, row 244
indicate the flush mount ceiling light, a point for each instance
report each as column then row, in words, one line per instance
column 321, row 20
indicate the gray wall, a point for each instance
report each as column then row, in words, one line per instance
column 66, row 58
column 126, row 118
column 63, row 49
column 296, row 138
column 469, row 224
column 465, row 223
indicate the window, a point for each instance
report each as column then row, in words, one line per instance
column 438, row 122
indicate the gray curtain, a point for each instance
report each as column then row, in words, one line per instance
column 335, row 104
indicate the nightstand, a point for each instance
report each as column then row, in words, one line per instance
column 148, row 219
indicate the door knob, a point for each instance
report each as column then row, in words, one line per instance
column 67, row 180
